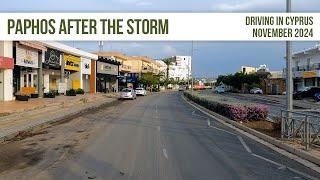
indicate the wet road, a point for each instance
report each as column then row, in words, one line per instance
column 163, row 137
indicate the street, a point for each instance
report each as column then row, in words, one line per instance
column 154, row 137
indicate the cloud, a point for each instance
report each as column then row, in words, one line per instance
column 135, row 45
column 144, row 3
column 169, row 50
column 250, row 5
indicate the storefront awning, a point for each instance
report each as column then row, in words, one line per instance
column 34, row 44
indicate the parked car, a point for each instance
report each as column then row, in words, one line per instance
column 141, row 92
column 317, row 97
column 256, row 91
column 306, row 92
column 219, row 89
column 128, row 93
column 181, row 88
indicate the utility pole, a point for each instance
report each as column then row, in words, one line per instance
column 289, row 81
column 191, row 67
column 100, row 46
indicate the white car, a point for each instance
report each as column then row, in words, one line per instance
column 219, row 89
column 256, row 91
column 128, row 93
column 141, row 92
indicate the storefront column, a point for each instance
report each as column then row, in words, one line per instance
column 62, row 80
column 40, row 74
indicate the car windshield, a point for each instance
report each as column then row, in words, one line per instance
column 126, row 90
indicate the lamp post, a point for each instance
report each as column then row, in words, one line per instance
column 289, row 81
column 190, row 67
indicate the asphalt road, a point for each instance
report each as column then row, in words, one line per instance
column 163, row 137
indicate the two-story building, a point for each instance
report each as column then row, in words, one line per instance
column 306, row 68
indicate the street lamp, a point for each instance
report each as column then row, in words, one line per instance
column 289, row 84
column 289, row 81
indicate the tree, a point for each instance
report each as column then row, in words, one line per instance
column 150, row 80
column 168, row 62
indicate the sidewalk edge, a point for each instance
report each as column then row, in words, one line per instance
column 53, row 120
column 289, row 151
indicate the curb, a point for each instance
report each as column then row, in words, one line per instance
column 57, row 119
column 315, row 161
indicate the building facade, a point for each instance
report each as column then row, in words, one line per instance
column 107, row 69
column 6, row 70
column 180, row 69
column 306, row 68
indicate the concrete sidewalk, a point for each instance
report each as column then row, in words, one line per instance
column 18, row 116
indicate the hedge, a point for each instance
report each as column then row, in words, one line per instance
column 234, row 111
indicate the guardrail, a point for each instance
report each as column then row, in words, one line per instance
column 303, row 127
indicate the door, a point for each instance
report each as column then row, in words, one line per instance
column 274, row 89
column 1, row 85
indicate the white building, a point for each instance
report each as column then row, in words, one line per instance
column 306, row 68
column 180, row 68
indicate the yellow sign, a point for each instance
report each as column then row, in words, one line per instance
column 309, row 74
column 76, row 84
column 72, row 63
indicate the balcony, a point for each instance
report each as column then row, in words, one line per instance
column 125, row 68
column 306, row 71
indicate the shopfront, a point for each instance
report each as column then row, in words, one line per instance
column 25, row 74
column 107, row 73
column 72, row 71
column 85, row 74
column 6, row 66
column 51, row 70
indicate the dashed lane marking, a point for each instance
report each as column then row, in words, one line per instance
column 244, row 144
column 165, row 153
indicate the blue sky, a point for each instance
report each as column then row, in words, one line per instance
column 210, row 58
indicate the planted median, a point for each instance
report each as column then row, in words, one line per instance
column 252, row 115
column 229, row 108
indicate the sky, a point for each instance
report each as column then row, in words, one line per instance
column 210, row 58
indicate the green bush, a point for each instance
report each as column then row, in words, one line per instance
column 79, row 91
column 71, row 92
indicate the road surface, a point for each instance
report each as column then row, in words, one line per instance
column 163, row 137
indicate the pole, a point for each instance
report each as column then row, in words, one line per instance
column 191, row 67
column 289, row 81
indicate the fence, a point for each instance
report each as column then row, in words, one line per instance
column 300, row 126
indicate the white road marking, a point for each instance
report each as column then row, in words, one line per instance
column 244, row 144
column 223, row 130
column 281, row 166
column 209, row 122
column 165, row 153
column 156, row 108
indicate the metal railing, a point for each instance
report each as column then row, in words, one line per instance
column 303, row 127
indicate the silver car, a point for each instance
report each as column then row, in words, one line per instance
column 128, row 93
column 141, row 92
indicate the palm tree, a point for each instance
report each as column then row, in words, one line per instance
column 168, row 62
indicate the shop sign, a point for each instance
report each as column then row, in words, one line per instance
column 6, row 63
column 72, row 63
column 26, row 57
column 85, row 66
column 62, row 88
column 309, row 74
column 52, row 58
column 106, row 68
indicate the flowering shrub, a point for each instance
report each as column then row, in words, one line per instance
column 257, row 112
column 234, row 111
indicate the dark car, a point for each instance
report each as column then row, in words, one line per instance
column 307, row 92
column 317, row 97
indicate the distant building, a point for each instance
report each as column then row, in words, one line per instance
column 276, row 83
column 248, row 69
column 180, row 69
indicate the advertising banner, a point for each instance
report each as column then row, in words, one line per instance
column 26, row 56
column 52, row 58
column 106, row 68
column 85, row 66
column 72, row 63
column 6, row 63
